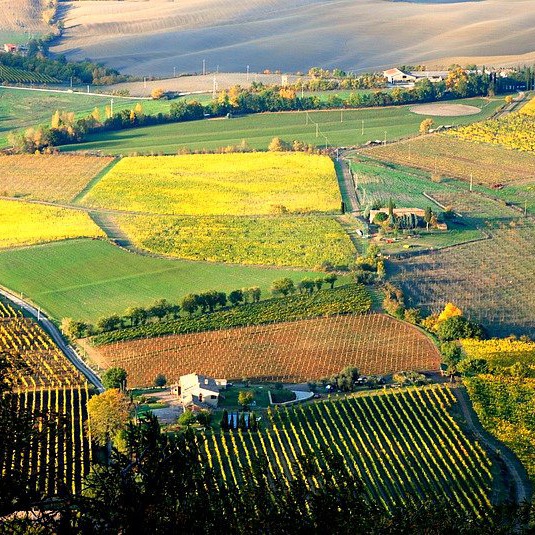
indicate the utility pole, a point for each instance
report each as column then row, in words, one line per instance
column 342, row 115
column 71, row 82
column 87, row 89
column 204, row 67
column 111, row 108
column 38, row 314
column 214, row 91
column 144, row 82
column 247, row 72
column 471, row 181
column 302, row 91
column 174, row 72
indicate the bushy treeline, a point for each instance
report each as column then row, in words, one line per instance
column 81, row 72
column 351, row 298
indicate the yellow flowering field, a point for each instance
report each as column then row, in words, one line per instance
column 220, row 184
column 529, row 108
column 299, row 241
column 28, row 224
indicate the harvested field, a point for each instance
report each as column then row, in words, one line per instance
column 135, row 36
column 293, row 352
column 21, row 17
column 442, row 109
column 48, row 177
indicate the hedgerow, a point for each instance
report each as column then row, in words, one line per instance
column 351, row 298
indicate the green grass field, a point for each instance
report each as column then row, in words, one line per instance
column 335, row 128
column 87, row 279
column 21, row 108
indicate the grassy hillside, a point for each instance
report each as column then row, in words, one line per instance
column 335, row 129
column 21, row 108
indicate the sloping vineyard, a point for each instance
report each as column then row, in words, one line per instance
column 400, row 444
column 49, row 390
column 291, row 351
column 12, row 75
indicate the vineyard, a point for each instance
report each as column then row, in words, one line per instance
column 514, row 131
column 29, row 224
column 457, row 158
column 220, row 184
column 480, row 278
column 49, row 391
column 48, row 177
column 292, row 352
column 12, row 75
column 270, row 240
column 399, row 444
column 505, row 398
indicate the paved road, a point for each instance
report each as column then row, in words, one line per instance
column 514, row 466
column 55, row 334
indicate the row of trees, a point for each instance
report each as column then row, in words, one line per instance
column 163, row 310
column 286, row 286
column 255, row 99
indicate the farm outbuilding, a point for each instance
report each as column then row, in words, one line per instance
column 193, row 388
column 395, row 76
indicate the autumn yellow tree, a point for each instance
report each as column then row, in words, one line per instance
column 157, row 93
column 426, row 125
column 96, row 114
column 108, row 415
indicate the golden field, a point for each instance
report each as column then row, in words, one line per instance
column 29, row 224
column 220, row 184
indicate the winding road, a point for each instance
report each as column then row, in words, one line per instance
column 55, row 334
column 514, row 466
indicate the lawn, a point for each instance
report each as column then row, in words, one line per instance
column 220, row 184
column 28, row 224
column 21, row 108
column 87, row 279
column 272, row 240
column 335, row 128
column 229, row 397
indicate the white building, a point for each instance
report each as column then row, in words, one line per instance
column 395, row 76
column 194, row 388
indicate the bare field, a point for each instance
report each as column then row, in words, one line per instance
column 21, row 16
column 151, row 38
column 441, row 109
column 200, row 83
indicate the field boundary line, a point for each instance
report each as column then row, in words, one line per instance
column 95, row 180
